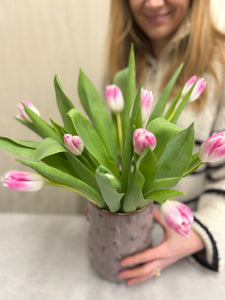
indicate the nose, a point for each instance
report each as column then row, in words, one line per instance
column 154, row 3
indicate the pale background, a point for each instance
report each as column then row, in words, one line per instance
column 38, row 39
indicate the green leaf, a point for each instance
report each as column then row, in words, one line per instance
column 139, row 122
column 82, row 171
column 174, row 117
column 39, row 123
column 56, row 175
column 177, row 155
column 128, row 146
column 109, row 186
column 194, row 164
column 47, row 147
column 161, row 183
column 134, row 197
column 161, row 104
column 23, row 143
column 31, row 127
column 162, row 195
column 121, row 80
column 172, row 106
column 98, row 114
column 92, row 141
column 64, row 105
column 130, row 94
column 59, row 129
column 18, row 147
column 163, row 131
column 148, row 167
column 60, row 162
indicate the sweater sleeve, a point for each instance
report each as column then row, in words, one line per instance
column 210, row 215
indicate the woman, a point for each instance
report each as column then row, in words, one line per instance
column 166, row 33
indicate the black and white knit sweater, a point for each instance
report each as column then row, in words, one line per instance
column 204, row 189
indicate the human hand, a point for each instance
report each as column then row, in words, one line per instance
column 172, row 248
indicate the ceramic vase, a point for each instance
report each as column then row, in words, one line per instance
column 113, row 236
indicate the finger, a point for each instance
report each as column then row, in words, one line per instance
column 140, row 279
column 145, row 256
column 152, row 271
column 140, row 271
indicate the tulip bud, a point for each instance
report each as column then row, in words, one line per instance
column 146, row 104
column 141, row 139
column 74, row 144
column 23, row 181
column 23, row 114
column 177, row 216
column 198, row 89
column 213, row 148
column 188, row 85
column 114, row 98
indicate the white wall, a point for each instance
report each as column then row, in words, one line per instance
column 39, row 38
column 218, row 11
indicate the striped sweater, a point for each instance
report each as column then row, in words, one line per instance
column 205, row 188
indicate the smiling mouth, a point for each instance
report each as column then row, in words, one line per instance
column 158, row 17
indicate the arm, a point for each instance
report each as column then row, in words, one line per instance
column 210, row 215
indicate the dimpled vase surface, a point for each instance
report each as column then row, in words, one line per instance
column 113, row 236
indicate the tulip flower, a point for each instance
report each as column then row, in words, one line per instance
column 114, row 98
column 141, row 139
column 198, row 89
column 177, row 216
column 23, row 114
column 146, row 104
column 189, row 84
column 74, row 144
column 213, row 148
column 23, row 181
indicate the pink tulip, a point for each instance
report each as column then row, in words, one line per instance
column 114, row 98
column 23, row 114
column 23, row 181
column 141, row 139
column 146, row 104
column 74, row 144
column 177, row 216
column 213, row 148
column 198, row 89
column 189, row 84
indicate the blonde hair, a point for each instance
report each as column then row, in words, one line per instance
column 197, row 51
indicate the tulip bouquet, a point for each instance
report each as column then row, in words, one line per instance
column 121, row 158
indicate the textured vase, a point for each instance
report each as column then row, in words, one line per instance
column 114, row 236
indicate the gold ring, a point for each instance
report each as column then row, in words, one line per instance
column 158, row 273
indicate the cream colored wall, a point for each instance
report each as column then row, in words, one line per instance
column 39, row 38
column 218, row 10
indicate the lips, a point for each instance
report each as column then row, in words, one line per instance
column 157, row 18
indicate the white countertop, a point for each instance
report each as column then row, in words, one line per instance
column 44, row 257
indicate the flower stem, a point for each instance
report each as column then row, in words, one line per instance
column 195, row 166
column 120, row 133
column 86, row 162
